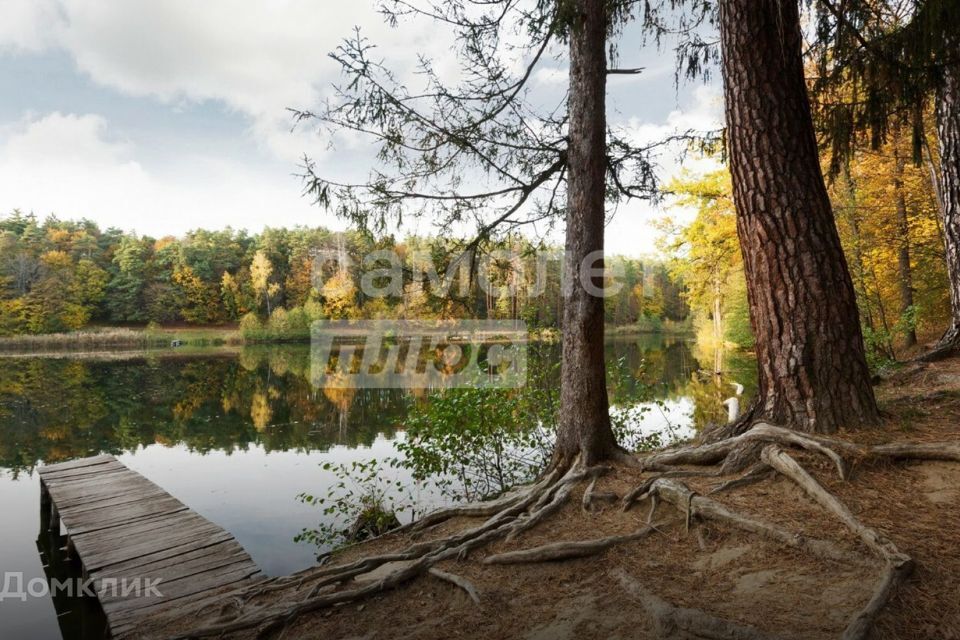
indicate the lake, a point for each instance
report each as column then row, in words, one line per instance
column 238, row 434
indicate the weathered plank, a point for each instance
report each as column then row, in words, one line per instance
column 74, row 464
column 126, row 530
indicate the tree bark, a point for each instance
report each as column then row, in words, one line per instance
column 813, row 374
column 948, row 140
column 903, row 250
column 584, row 422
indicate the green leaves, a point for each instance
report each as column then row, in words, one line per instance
column 360, row 502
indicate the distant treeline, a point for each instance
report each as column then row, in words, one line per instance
column 58, row 275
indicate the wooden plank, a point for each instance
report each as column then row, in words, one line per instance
column 148, row 531
column 142, row 495
column 104, row 500
column 152, row 511
column 106, row 558
column 124, row 527
column 128, row 621
column 210, row 557
column 187, row 570
column 82, row 472
column 74, row 464
column 120, row 546
column 171, row 556
column 128, row 513
column 96, row 481
column 88, row 492
column 154, row 527
column 177, row 591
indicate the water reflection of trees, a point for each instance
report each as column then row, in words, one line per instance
column 58, row 409
column 55, row 409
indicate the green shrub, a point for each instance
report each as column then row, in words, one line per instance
column 251, row 328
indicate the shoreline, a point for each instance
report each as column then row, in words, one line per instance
column 128, row 342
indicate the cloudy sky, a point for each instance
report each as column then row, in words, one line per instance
column 161, row 116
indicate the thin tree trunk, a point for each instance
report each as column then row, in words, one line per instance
column 584, row 424
column 813, row 374
column 859, row 277
column 933, row 171
column 948, row 139
column 718, row 311
column 903, row 250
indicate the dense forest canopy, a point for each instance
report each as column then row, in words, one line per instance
column 58, row 275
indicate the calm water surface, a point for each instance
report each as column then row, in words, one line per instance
column 238, row 435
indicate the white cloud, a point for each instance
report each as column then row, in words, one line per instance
column 630, row 231
column 59, row 139
column 28, row 25
column 257, row 58
column 705, row 114
column 69, row 165
column 551, row 76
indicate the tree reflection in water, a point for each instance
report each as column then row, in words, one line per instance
column 56, row 409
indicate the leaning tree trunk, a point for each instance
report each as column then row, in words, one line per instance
column 948, row 139
column 584, row 423
column 813, row 374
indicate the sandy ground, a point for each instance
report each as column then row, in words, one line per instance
column 724, row 572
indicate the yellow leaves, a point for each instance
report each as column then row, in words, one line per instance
column 55, row 259
column 339, row 296
column 260, row 412
column 866, row 208
column 337, row 392
column 163, row 243
column 13, row 316
column 260, row 271
column 706, row 251
column 202, row 302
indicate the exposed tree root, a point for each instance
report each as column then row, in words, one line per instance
column 897, row 565
column 542, row 499
column 273, row 619
column 696, row 506
column 567, row 550
column 459, row 581
column 516, row 504
column 756, row 473
column 754, row 454
column 945, row 451
column 591, row 495
column 480, row 509
column 723, row 452
column 683, row 623
column 789, row 467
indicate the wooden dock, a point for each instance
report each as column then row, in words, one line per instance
column 125, row 530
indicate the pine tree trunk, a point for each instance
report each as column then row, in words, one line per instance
column 813, row 374
column 903, row 251
column 584, row 422
column 948, row 139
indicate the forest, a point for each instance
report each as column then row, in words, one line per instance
column 60, row 276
